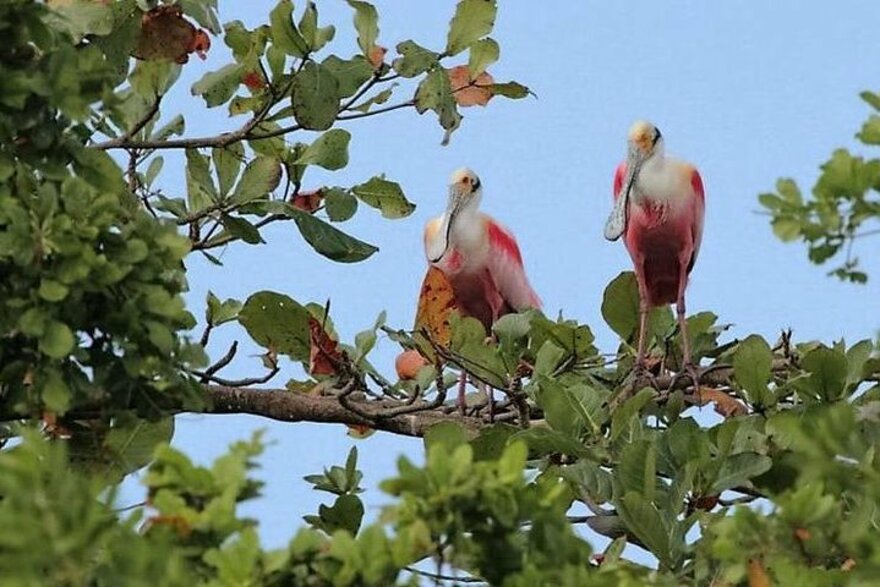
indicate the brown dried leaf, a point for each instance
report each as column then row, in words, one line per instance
column 725, row 404
column 323, row 356
column 253, row 80
column 174, row 521
column 166, row 35
column 436, row 303
column 756, row 574
column 467, row 92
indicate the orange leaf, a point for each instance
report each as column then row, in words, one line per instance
column 377, row 56
column 802, row 534
column 408, row 364
column 307, row 201
column 436, row 303
column 757, row 576
column 725, row 404
column 323, row 356
column 468, row 92
column 167, row 35
column 360, row 431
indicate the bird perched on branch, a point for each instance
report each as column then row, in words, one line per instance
column 479, row 257
column 659, row 205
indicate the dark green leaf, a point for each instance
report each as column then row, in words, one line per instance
column 350, row 74
column 217, row 87
column 238, row 227
column 277, row 322
column 329, row 151
column 285, row 35
column 329, row 241
column 736, row 470
column 260, row 177
column 752, row 364
column 384, row 195
column 414, row 59
column 227, row 164
column 339, row 204
column 315, row 98
column 473, row 19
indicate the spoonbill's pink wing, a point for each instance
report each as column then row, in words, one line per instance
column 505, row 265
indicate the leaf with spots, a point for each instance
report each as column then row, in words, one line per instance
column 436, row 304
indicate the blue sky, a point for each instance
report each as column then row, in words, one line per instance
column 747, row 91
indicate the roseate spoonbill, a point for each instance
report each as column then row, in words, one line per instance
column 480, row 258
column 658, row 208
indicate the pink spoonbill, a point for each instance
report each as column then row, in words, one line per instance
column 659, row 205
column 479, row 257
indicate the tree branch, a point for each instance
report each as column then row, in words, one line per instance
column 286, row 406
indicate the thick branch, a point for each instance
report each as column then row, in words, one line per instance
column 286, row 406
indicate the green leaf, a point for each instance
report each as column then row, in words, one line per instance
column 872, row 99
column 285, row 35
column 752, row 365
column 620, row 305
column 350, row 74
column 57, row 341
column 238, row 227
column 52, row 291
column 449, row 435
column 786, row 229
column 345, row 514
column 217, row 87
column 473, row 19
column 637, row 469
column 227, row 164
column 330, row 150
column 217, row 312
column 629, row 411
column 153, row 170
column 315, row 37
column 435, row 93
column 260, row 177
column 339, row 204
column 132, row 441
column 55, row 393
column 277, row 322
column 512, row 90
column 643, row 519
column 545, row 441
column 828, row 372
column 315, row 98
column 384, row 195
column 736, row 470
column 83, row 17
column 414, row 59
column 200, row 191
column 483, row 53
column 366, row 22
column 329, row 241
column 870, row 133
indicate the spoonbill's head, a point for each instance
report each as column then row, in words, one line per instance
column 465, row 192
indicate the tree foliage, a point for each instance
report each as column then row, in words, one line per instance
column 98, row 350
